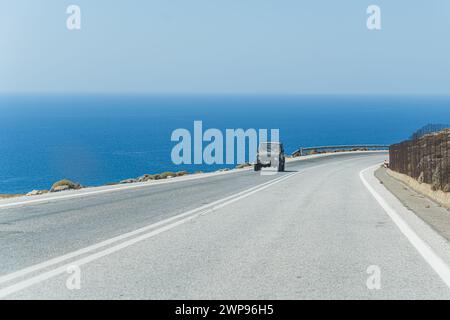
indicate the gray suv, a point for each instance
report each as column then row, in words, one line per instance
column 270, row 154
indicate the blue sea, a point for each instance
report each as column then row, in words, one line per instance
column 98, row 139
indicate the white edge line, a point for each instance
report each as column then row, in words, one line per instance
column 438, row 265
column 52, row 273
column 118, row 188
column 53, row 261
column 124, row 236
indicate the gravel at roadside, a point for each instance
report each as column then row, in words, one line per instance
column 429, row 211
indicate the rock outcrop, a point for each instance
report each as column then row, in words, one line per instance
column 158, row 176
column 36, row 192
column 65, row 184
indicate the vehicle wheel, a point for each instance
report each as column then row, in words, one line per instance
column 257, row 167
column 281, row 166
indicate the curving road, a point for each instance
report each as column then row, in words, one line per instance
column 308, row 233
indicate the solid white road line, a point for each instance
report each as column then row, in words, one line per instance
column 215, row 204
column 151, row 229
column 438, row 265
column 192, row 214
column 124, row 236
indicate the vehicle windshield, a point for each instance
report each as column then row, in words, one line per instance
column 269, row 147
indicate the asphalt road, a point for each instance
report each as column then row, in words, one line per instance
column 310, row 232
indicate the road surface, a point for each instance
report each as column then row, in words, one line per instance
column 311, row 232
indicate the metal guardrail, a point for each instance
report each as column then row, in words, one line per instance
column 303, row 151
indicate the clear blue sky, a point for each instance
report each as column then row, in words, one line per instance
column 226, row 46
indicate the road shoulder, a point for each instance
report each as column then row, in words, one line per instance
column 435, row 215
column 434, row 248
